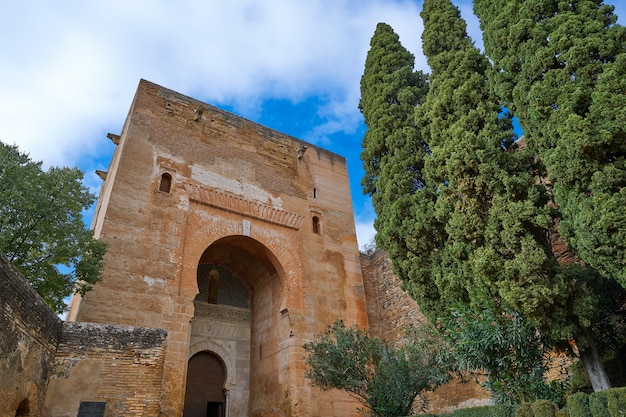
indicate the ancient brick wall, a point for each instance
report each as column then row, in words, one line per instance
column 272, row 209
column 389, row 307
column 390, row 310
column 119, row 365
column 29, row 333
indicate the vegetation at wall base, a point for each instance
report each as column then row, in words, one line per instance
column 598, row 403
column 608, row 403
column 507, row 348
column 578, row 405
column 616, row 401
column 384, row 378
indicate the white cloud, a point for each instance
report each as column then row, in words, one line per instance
column 69, row 70
column 365, row 232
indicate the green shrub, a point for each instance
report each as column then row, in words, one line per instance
column 616, row 401
column 473, row 412
column 502, row 410
column 578, row 405
column 525, row 410
column 498, row 410
column 598, row 404
column 544, row 408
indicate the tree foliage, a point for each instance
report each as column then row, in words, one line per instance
column 384, row 378
column 478, row 229
column 390, row 89
column 392, row 150
column 41, row 227
column 507, row 348
column 560, row 66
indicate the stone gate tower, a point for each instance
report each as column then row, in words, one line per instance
column 239, row 241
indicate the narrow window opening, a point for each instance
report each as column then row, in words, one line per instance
column 166, row 183
column 314, row 192
column 316, row 225
column 23, row 409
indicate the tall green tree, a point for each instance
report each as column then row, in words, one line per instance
column 390, row 90
column 41, row 227
column 496, row 215
column 393, row 151
column 477, row 229
column 560, row 66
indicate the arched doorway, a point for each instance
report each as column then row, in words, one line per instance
column 204, row 393
column 237, row 315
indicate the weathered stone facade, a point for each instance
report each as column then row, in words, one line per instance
column 50, row 369
column 117, row 365
column 191, row 186
column 29, row 335
column 230, row 246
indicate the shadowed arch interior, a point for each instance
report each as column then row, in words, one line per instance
column 238, row 307
column 204, row 393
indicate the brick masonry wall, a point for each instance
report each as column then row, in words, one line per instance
column 29, row 333
column 243, row 197
column 390, row 309
column 119, row 365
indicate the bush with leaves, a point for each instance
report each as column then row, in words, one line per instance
column 506, row 348
column 385, row 378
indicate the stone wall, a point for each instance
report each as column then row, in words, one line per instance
column 390, row 310
column 241, row 197
column 119, row 365
column 29, row 333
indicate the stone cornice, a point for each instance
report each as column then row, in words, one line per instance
column 236, row 204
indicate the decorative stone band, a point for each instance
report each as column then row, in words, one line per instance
column 221, row 312
column 236, row 204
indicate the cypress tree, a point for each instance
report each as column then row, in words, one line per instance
column 390, row 90
column 494, row 216
column 393, row 151
column 460, row 208
column 561, row 68
column 557, row 65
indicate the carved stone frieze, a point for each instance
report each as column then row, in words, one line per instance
column 219, row 321
column 221, row 312
column 236, row 204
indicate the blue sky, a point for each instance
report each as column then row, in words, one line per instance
column 69, row 70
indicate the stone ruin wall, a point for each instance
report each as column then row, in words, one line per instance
column 47, row 367
column 119, row 365
column 29, row 334
column 390, row 310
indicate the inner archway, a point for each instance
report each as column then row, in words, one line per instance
column 204, row 393
column 237, row 315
